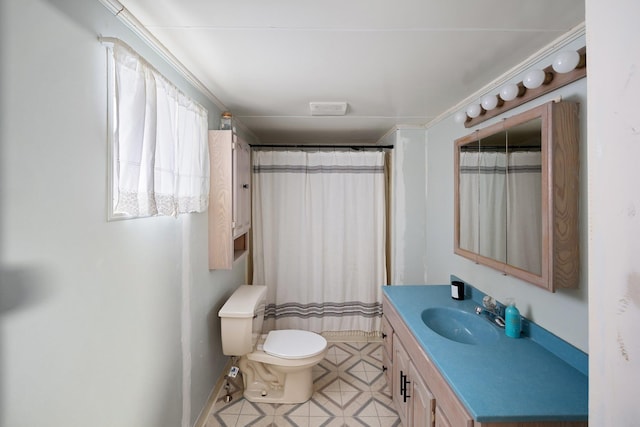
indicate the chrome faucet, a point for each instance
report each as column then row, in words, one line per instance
column 492, row 310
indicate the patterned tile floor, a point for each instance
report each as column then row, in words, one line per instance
column 350, row 390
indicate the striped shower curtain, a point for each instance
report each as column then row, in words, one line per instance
column 319, row 239
column 500, row 206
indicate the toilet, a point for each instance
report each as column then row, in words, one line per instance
column 276, row 367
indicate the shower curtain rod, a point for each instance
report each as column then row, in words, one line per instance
column 316, row 147
column 475, row 149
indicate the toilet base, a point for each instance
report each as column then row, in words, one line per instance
column 269, row 382
column 290, row 387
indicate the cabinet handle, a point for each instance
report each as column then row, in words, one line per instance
column 245, row 185
column 406, row 396
column 384, row 368
column 403, row 387
column 384, row 335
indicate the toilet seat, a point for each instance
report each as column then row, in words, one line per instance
column 294, row 344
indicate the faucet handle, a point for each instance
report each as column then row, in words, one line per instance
column 489, row 302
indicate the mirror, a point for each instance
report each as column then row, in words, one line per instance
column 509, row 188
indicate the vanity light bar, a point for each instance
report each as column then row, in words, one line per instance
column 567, row 67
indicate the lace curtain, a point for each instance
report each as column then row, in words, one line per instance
column 159, row 142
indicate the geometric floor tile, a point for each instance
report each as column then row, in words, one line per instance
column 350, row 389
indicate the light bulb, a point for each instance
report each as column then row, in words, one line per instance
column 460, row 117
column 534, row 78
column 509, row 92
column 489, row 102
column 566, row 61
column 474, row 110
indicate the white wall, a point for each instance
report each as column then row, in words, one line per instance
column 102, row 324
column 614, row 211
column 565, row 313
column 408, row 206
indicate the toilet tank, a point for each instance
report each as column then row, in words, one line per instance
column 241, row 319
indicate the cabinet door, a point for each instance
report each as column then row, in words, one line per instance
column 387, row 337
column 441, row 420
column 242, row 188
column 401, row 384
column 387, row 369
column 424, row 404
column 387, row 352
column 229, row 201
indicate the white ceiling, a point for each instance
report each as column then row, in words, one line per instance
column 401, row 62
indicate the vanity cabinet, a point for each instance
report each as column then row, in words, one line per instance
column 421, row 395
column 229, row 198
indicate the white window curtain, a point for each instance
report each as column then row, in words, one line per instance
column 319, row 239
column 160, row 149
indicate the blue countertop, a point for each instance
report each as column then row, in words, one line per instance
column 508, row 380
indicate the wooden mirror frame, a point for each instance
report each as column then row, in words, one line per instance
column 560, row 184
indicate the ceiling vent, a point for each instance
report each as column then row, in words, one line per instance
column 328, row 108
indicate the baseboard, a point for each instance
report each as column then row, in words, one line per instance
column 213, row 397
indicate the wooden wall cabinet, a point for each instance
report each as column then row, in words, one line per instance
column 229, row 199
column 536, row 242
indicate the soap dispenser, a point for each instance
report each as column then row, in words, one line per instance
column 512, row 320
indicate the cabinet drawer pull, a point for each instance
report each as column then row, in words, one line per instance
column 403, row 386
column 384, row 335
column 406, row 396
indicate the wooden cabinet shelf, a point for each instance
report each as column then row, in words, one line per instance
column 229, row 199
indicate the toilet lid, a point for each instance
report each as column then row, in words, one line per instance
column 294, row 344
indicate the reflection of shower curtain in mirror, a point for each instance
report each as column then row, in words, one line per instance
column 492, row 206
column 483, row 203
column 524, row 223
column 501, row 220
column 468, row 200
column 319, row 238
